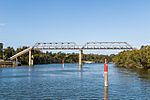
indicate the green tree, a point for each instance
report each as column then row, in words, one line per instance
column 8, row 52
column 1, row 50
column 134, row 58
column 23, row 58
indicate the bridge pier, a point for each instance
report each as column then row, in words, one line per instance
column 16, row 62
column 80, row 58
column 30, row 58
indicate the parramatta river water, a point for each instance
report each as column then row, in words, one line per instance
column 68, row 82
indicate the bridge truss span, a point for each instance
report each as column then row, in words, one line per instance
column 73, row 46
column 87, row 46
column 57, row 46
column 107, row 45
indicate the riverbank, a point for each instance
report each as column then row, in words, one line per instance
column 134, row 58
column 5, row 64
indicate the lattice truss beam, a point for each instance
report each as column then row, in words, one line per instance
column 107, row 45
column 88, row 45
column 56, row 45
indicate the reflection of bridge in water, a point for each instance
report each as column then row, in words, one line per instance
column 73, row 46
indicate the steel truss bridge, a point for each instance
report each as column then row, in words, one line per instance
column 88, row 45
column 73, row 46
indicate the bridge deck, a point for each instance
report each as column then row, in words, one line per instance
column 87, row 46
column 74, row 46
column 20, row 53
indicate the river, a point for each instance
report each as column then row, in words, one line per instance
column 68, row 82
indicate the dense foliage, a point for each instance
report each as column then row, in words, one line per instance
column 49, row 57
column 134, row 58
column 129, row 59
column 1, row 50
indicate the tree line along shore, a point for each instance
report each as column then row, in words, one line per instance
column 49, row 57
column 139, row 58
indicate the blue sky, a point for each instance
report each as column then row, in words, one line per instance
column 25, row 22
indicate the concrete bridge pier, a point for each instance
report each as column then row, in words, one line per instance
column 30, row 58
column 80, row 58
column 15, row 62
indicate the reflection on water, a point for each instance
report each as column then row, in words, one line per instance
column 68, row 82
column 105, row 92
column 141, row 73
column 81, row 73
column 63, row 66
column 80, row 67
